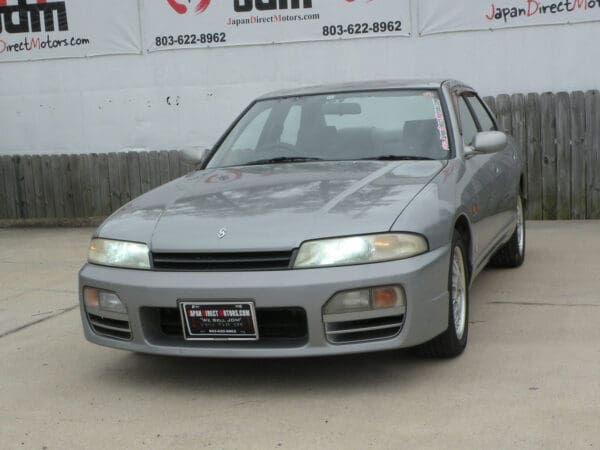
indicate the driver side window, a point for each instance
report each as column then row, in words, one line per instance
column 468, row 125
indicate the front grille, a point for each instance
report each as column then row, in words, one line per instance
column 118, row 329
column 273, row 323
column 345, row 332
column 220, row 262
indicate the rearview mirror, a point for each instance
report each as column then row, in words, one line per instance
column 489, row 142
column 341, row 109
column 195, row 155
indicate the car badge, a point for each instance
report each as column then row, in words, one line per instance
column 222, row 233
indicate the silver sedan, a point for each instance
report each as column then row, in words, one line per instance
column 329, row 220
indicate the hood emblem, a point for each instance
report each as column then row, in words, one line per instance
column 222, row 233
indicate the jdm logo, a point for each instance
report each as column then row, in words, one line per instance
column 180, row 6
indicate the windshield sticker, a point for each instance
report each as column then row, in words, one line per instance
column 441, row 123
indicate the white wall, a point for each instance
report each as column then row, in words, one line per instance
column 117, row 103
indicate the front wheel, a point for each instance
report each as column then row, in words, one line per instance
column 512, row 254
column 453, row 341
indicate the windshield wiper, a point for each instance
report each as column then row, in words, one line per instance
column 282, row 160
column 398, row 158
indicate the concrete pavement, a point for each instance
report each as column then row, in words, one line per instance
column 530, row 377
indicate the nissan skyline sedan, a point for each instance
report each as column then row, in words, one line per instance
column 329, row 220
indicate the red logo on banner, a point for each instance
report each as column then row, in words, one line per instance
column 181, row 8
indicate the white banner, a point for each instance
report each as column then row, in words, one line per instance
column 170, row 24
column 43, row 29
column 438, row 16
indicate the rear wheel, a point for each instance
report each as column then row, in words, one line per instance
column 512, row 254
column 453, row 341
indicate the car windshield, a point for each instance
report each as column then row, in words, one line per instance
column 382, row 125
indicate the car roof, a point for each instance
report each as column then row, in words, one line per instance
column 373, row 85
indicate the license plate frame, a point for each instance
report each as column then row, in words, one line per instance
column 218, row 320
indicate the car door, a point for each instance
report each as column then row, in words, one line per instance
column 481, row 189
column 503, row 162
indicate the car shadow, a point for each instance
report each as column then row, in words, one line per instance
column 339, row 373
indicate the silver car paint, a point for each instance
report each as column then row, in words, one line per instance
column 271, row 207
column 279, row 207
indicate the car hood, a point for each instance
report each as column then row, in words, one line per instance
column 271, row 207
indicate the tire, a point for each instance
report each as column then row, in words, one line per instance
column 453, row 341
column 512, row 254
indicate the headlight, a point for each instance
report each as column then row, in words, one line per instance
column 107, row 252
column 360, row 250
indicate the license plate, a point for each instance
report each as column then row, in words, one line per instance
column 212, row 321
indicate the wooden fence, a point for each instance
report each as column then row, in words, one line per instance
column 80, row 186
column 560, row 138
column 558, row 133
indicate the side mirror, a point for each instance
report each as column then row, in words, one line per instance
column 488, row 142
column 195, row 155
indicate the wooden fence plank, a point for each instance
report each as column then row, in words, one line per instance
column 4, row 201
column 10, row 185
column 519, row 128
column 57, row 185
column 534, row 158
column 103, row 196
column 548, row 156
column 563, row 155
column 46, row 180
column 38, row 186
column 125, row 194
column 94, row 184
column 176, row 169
column 163, row 159
column 20, row 178
column 4, row 214
column 133, row 174
column 75, row 186
column 30, row 197
column 69, row 200
column 578, row 174
column 592, row 144
column 26, row 186
column 504, row 113
column 186, row 167
column 144, row 172
column 88, row 182
column 154, row 172
column 114, row 181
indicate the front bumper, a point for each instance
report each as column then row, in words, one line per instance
column 424, row 279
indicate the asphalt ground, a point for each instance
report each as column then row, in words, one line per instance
column 530, row 377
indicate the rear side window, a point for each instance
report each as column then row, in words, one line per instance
column 483, row 117
column 468, row 125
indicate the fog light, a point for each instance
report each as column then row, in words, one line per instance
column 103, row 300
column 361, row 300
column 111, row 302
column 349, row 301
